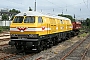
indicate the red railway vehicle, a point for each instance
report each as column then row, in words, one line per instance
column 76, row 27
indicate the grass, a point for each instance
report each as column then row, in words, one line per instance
column 83, row 35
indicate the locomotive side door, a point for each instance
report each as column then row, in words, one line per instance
column 53, row 25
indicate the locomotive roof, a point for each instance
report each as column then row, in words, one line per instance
column 34, row 13
column 30, row 13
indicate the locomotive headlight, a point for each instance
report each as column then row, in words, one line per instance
column 12, row 35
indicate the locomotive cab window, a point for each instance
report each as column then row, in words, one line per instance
column 29, row 19
column 40, row 20
column 18, row 19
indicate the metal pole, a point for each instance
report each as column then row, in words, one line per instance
column 53, row 9
column 62, row 12
column 35, row 5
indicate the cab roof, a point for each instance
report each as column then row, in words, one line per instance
column 30, row 13
column 35, row 13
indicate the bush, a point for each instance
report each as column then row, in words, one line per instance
column 4, row 28
column 1, row 29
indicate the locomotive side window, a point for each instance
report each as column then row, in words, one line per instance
column 18, row 19
column 40, row 20
column 29, row 19
column 61, row 21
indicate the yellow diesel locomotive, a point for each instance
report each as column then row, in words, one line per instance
column 35, row 31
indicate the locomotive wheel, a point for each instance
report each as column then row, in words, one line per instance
column 50, row 43
column 40, row 47
column 72, row 34
column 18, row 47
column 54, row 42
column 68, row 36
column 57, row 40
column 45, row 45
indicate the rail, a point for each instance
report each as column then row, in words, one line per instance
column 63, row 58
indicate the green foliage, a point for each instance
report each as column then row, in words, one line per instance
column 14, row 11
column 67, row 16
column 4, row 28
column 86, row 22
column 1, row 29
column 83, row 35
column 5, row 17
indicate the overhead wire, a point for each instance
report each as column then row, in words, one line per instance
column 54, row 4
column 63, row 8
column 85, row 3
column 87, row 6
column 17, row 4
column 71, row 5
column 67, row 5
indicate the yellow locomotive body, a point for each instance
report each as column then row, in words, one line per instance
column 36, row 31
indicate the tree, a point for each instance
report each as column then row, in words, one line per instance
column 5, row 17
column 30, row 9
column 87, row 22
column 14, row 11
column 67, row 16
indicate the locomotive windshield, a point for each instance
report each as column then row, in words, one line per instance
column 29, row 19
column 18, row 19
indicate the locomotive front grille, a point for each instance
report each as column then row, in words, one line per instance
column 25, row 35
column 22, row 35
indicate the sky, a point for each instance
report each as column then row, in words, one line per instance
column 81, row 8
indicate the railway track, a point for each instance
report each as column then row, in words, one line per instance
column 85, row 52
column 20, row 56
column 16, row 56
column 24, row 57
column 4, row 42
column 75, row 51
column 4, row 38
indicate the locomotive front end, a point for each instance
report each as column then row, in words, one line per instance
column 23, row 32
